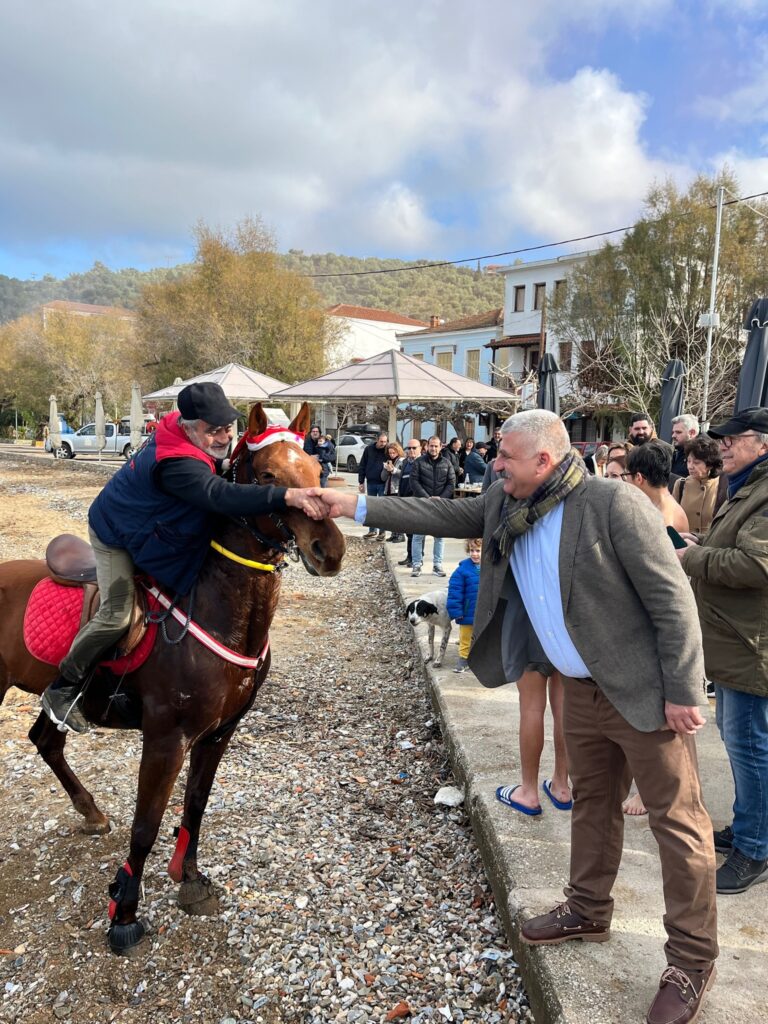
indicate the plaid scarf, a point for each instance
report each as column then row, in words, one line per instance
column 517, row 517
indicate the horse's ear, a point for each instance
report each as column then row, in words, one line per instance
column 257, row 420
column 302, row 421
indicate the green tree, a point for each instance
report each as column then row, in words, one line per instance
column 236, row 304
column 633, row 306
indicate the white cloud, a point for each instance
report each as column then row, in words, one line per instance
column 347, row 126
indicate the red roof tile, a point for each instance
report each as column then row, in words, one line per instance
column 367, row 313
column 491, row 318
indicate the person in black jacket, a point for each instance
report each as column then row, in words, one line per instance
column 453, row 452
column 412, row 453
column 321, row 449
column 369, row 474
column 156, row 515
column 432, row 477
column 493, row 445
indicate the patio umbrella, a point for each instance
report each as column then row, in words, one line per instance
column 390, row 377
column 752, row 390
column 239, row 383
column 54, row 427
column 549, row 396
column 672, row 396
column 100, row 423
column 137, row 415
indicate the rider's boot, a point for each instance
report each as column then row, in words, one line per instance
column 62, row 703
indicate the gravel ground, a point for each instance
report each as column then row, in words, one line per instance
column 347, row 893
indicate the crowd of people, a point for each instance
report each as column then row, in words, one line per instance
column 681, row 553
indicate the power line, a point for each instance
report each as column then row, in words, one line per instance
column 514, row 252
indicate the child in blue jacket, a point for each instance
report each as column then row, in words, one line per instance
column 462, row 597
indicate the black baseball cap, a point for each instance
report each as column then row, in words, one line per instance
column 206, row 402
column 755, row 419
column 481, row 444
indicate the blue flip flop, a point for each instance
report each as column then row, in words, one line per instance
column 561, row 805
column 504, row 796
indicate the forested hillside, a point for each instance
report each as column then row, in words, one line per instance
column 448, row 292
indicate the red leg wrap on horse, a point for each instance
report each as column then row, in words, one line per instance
column 177, row 860
column 113, row 903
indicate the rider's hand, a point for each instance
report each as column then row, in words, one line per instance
column 307, row 500
column 682, row 719
column 361, row 488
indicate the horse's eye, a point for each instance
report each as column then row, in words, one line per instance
column 267, row 478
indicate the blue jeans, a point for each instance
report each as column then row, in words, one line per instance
column 742, row 719
column 417, row 556
column 376, row 490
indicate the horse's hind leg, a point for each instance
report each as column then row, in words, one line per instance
column 161, row 762
column 196, row 893
column 50, row 746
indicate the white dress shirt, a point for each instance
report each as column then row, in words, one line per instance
column 535, row 565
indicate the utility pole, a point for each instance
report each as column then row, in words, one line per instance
column 711, row 320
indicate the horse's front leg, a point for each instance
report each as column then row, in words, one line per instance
column 161, row 762
column 196, row 893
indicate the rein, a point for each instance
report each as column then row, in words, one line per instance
column 205, row 638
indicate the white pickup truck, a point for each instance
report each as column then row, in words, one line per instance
column 84, row 441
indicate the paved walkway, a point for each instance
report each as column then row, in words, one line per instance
column 527, row 859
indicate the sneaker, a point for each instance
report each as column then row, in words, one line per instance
column 681, row 993
column 61, row 702
column 416, row 571
column 562, row 925
column 723, row 839
column 740, row 873
column 370, row 535
column 438, row 571
column 381, row 536
column 407, row 562
column 462, row 666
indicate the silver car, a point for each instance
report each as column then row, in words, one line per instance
column 350, row 451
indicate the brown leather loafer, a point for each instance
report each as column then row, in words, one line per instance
column 562, row 925
column 680, row 995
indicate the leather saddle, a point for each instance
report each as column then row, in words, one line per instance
column 71, row 563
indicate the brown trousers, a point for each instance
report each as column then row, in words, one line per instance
column 604, row 753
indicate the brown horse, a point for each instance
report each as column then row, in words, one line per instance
column 188, row 698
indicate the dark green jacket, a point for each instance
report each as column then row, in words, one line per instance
column 729, row 574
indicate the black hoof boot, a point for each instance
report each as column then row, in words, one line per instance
column 127, row 939
column 198, row 897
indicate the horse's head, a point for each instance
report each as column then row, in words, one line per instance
column 276, row 456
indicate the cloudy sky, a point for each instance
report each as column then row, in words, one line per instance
column 408, row 128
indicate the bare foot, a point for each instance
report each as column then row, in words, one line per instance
column 527, row 797
column 634, row 806
column 559, row 791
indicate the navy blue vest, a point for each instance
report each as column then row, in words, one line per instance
column 166, row 537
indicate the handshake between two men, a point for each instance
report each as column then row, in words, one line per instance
column 319, row 503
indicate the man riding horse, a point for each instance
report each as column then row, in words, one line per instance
column 156, row 515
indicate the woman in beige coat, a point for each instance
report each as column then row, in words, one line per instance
column 704, row 490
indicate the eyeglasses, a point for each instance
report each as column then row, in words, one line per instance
column 727, row 441
column 213, row 431
column 413, row 447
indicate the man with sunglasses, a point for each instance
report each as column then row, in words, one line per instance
column 728, row 568
column 412, row 452
column 157, row 515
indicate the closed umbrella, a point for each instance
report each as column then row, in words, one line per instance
column 177, row 384
column 549, row 395
column 672, row 396
column 137, row 415
column 752, row 390
column 100, row 424
column 54, row 427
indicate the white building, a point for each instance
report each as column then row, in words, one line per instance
column 366, row 332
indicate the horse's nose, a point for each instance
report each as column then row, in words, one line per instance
column 318, row 551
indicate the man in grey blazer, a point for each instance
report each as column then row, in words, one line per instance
column 565, row 553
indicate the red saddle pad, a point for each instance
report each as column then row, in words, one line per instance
column 51, row 622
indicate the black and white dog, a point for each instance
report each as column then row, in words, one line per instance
column 431, row 609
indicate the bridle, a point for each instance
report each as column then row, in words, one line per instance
column 286, row 545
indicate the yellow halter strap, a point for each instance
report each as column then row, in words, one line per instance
column 264, row 566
